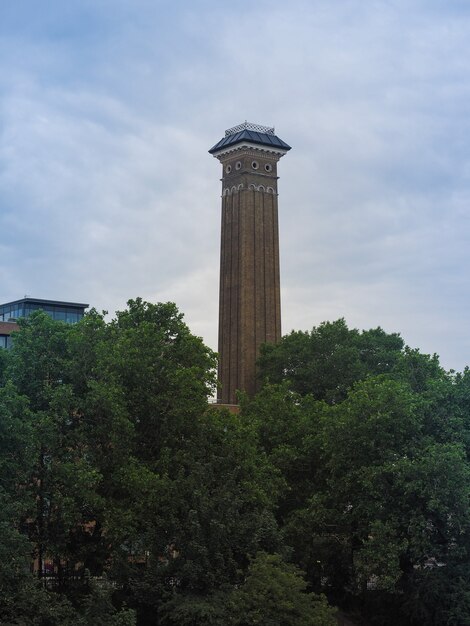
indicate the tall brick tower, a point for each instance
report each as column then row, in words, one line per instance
column 250, row 303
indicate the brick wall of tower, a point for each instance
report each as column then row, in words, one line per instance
column 250, row 308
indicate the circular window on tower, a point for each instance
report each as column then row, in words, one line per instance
column 268, row 167
column 238, row 165
column 255, row 165
column 228, row 169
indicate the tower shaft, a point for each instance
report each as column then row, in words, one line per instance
column 250, row 301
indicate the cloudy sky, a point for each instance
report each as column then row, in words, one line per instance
column 107, row 192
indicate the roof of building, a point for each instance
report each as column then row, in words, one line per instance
column 251, row 133
column 28, row 300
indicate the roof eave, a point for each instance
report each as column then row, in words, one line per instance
column 217, row 152
column 29, row 300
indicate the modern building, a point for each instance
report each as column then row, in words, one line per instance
column 250, row 302
column 65, row 311
column 69, row 312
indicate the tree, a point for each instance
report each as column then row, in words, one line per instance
column 274, row 593
column 62, row 477
column 211, row 507
column 167, row 373
column 372, row 441
column 352, row 464
column 382, row 500
column 287, row 426
column 328, row 360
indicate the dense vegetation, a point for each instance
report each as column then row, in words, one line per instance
column 346, row 478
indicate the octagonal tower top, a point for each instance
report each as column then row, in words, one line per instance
column 249, row 135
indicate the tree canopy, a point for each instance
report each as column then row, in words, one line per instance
column 372, row 440
column 126, row 498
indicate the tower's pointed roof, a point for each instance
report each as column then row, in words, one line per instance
column 251, row 134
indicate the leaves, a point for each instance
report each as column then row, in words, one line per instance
column 352, row 463
column 274, row 594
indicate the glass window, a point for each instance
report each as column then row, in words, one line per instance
column 5, row 341
column 72, row 318
column 16, row 312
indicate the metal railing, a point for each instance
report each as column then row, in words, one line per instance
column 249, row 126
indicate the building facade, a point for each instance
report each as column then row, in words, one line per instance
column 6, row 329
column 69, row 312
column 250, row 302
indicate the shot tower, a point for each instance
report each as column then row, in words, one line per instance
column 250, row 303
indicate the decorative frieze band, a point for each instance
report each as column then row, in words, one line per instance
column 229, row 191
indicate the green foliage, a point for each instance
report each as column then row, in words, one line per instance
column 382, row 508
column 352, row 464
column 211, row 507
column 187, row 610
column 38, row 359
column 87, row 412
column 32, row 605
column 327, row 361
column 97, row 608
column 274, row 594
column 167, row 373
column 440, row 595
column 15, row 550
